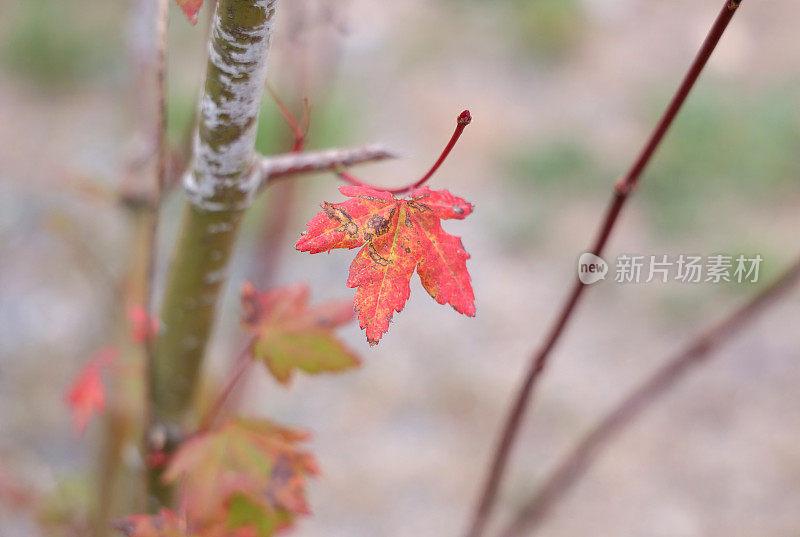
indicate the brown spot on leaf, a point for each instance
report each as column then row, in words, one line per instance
column 378, row 225
column 421, row 207
column 343, row 217
column 376, row 257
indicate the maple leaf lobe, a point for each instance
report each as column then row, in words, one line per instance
column 442, row 203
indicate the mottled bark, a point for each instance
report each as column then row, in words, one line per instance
column 224, row 177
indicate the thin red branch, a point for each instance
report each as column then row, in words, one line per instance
column 577, row 462
column 623, row 189
column 159, row 137
column 243, row 363
column 298, row 131
column 306, row 122
column 462, row 121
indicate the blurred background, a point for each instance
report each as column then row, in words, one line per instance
column 563, row 93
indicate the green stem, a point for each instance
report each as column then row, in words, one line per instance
column 220, row 186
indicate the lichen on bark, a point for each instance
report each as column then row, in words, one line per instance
column 223, row 178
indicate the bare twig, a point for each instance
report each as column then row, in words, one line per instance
column 243, row 362
column 159, row 141
column 623, row 188
column 299, row 132
column 290, row 164
column 281, row 202
column 575, row 464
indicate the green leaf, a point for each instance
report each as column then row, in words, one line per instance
column 291, row 335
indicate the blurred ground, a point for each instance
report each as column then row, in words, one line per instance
column 562, row 94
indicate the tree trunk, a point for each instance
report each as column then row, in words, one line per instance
column 223, row 179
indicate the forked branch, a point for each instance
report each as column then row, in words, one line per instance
column 699, row 350
column 624, row 187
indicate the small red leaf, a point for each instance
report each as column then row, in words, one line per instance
column 398, row 236
column 190, row 8
column 87, row 393
column 143, row 327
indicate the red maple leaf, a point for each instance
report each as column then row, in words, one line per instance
column 190, row 8
column 290, row 334
column 398, row 236
column 87, row 393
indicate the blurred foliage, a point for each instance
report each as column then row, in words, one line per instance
column 541, row 177
column 549, row 29
column 54, row 45
column 727, row 150
column 180, row 120
column 63, row 513
column 724, row 144
column 273, row 135
column 557, row 166
column 334, row 121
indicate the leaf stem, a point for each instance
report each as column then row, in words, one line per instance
column 298, row 132
column 623, row 188
column 577, row 462
column 243, row 363
column 462, row 121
